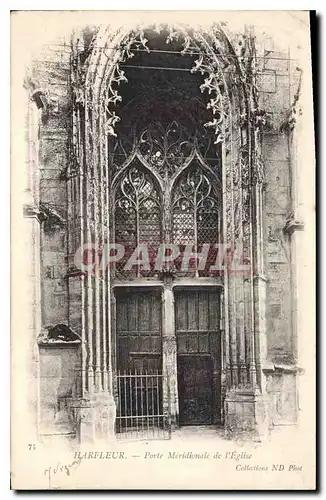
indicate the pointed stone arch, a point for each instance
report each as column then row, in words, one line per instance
column 228, row 72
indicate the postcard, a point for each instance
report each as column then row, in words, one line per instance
column 163, row 244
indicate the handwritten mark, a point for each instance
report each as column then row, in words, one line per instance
column 61, row 469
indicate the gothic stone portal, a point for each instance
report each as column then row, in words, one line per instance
column 179, row 164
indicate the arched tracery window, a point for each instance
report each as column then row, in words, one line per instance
column 195, row 209
column 190, row 212
column 138, row 216
column 195, row 217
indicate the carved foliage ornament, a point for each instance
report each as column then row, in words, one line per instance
column 211, row 47
column 214, row 83
column 208, row 63
column 135, row 40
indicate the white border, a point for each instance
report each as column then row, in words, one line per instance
column 5, row 162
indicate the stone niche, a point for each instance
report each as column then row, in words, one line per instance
column 59, row 361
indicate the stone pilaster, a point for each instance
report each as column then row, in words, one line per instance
column 169, row 347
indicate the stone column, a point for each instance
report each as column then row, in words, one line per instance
column 259, row 285
column 96, row 412
column 225, row 362
column 295, row 223
column 246, row 403
column 169, row 347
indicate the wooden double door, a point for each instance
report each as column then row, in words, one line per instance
column 140, row 345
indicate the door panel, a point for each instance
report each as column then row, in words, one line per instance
column 199, row 355
column 139, row 359
column 139, row 330
column 195, row 384
column 197, row 310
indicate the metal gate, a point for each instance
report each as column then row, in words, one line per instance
column 141, row 410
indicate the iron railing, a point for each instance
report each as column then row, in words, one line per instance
column 143, row 406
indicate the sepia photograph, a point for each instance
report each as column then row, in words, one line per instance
column 163, row 250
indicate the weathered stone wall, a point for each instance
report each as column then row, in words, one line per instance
column 278, row 85
column 50, row 74
column 282, row 389
column 275, row 99
column 59, row 365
